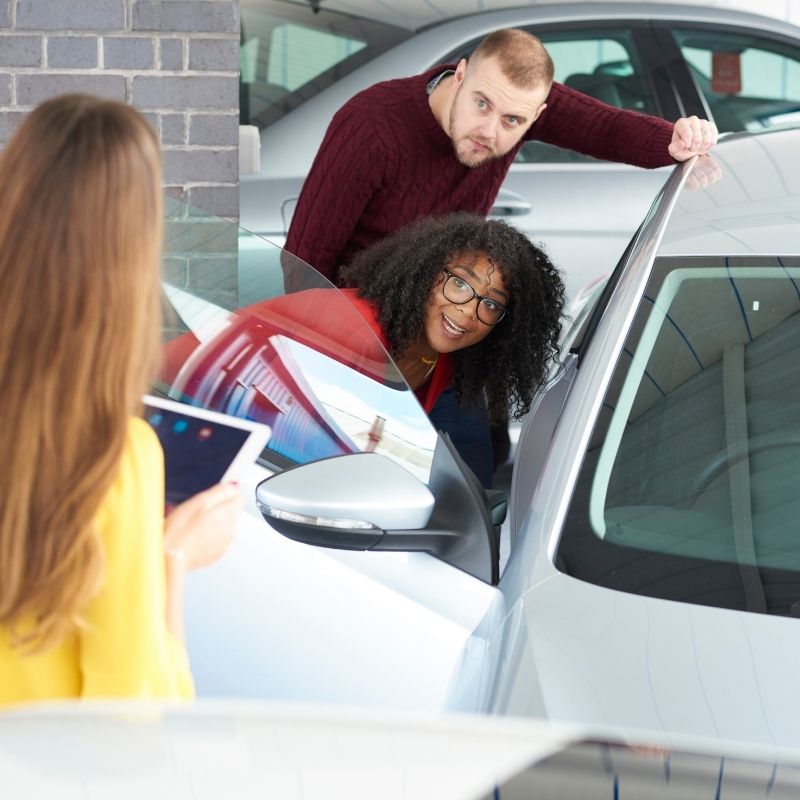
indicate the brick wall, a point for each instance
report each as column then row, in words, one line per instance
column 175, row 60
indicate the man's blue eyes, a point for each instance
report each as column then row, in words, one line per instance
column 483, row 105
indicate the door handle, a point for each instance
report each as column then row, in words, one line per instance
column 510, row 208
column 287, row 212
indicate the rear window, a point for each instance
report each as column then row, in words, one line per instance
column 748, row 82
column 289, row 53
column 688, row 490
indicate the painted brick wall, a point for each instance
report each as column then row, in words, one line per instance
column 175, row 60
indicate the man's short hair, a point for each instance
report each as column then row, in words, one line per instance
column 521, row 56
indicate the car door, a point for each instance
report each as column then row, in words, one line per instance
column 252, row 331
column 582, row 209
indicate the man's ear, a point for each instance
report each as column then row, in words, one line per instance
column 539, row 110
column 461, row 71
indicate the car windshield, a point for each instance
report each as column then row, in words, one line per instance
column 688, row 488
column 254, row 332
column 289, row 52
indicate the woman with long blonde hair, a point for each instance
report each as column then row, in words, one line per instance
column 89, row 603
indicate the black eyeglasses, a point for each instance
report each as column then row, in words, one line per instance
column 458, row 291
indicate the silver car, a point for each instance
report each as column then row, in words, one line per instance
column 652, row 576
column 298, row 68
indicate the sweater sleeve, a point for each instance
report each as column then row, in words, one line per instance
column 126, row 649
column 576, row 121
column 347, row 170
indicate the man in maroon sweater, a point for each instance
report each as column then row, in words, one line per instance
column 443, row 141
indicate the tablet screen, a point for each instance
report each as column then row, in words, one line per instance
column 197, row 451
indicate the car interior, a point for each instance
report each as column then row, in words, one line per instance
column 613, row 82
column 758, row 91
column 694, row 459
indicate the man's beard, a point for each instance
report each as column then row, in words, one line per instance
column 477, row 159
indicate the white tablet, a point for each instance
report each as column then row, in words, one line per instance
column 201, row 447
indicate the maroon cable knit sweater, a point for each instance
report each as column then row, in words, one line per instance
column 385, row 161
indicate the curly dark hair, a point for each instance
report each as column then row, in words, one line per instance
column 398, row 273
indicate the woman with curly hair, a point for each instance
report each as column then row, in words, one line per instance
column 457, row 300
column 464, row 299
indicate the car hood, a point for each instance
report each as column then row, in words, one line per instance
column 309, row 752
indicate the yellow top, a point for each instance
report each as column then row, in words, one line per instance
column 125, row 649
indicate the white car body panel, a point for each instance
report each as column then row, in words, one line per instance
column 388, row 629
column 300, row 752
column 292, row 752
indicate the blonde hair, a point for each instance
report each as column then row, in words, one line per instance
column 521, row 56
column 80, row 243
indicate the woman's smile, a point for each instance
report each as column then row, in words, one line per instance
column 451, row 329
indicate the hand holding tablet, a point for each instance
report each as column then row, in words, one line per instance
column 198, row 531
column 203, row 454
column 201, row 447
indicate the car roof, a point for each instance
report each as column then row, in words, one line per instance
column 752, row 209
column 418, row 15
column 291, row 142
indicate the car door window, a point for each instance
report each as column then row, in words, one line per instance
column 288, row 54
column 748, row 82
column 254, row 332
column 603, row 64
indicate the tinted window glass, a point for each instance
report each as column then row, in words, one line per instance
column 289, row 53
column 748, row 83
column 688, row 490
column 254, row 332
column 602, row 64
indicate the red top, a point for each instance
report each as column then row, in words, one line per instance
column 385, row 161
column 319, row 318
column 329, row 324
column 442, row 374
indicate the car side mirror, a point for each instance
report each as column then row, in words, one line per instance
column 366, row 501
column 358, row 501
